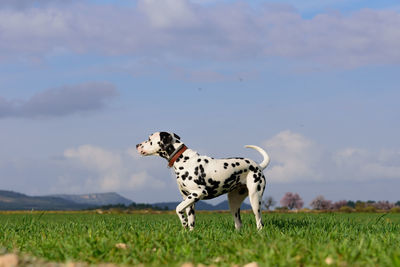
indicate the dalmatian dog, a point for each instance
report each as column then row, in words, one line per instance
column 202, row 177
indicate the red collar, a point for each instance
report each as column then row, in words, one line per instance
column 176, row 155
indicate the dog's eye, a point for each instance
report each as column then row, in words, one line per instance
column 151, row 143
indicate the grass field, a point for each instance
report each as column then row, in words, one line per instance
column 158, row 239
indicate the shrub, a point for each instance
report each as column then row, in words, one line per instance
column 282, row 209
column 338, row 204
column 346, row 209
column 360, row 205
column 395, row 209
column 369, row 209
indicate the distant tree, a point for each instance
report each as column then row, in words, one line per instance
column 397, row 203
column 292, row 201
column 351, row 204
column 371, row 201
column 320, row 203
column 383, row 205
column 269, row 202
column 338, row 204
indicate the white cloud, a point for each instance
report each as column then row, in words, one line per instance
column 180, row 28
column 293, row 158
column 95, row 158
column 23, row 4
column 296, row 158
column 110, row 171
column 60, row 101
column 363, row 165
column 168, row 13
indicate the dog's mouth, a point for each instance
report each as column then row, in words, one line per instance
column 141, row 151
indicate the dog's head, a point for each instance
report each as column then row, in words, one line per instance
column 159, row 143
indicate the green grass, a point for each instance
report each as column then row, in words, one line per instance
column 158, row 239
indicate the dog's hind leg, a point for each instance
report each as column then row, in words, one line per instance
column 256, row 186
column 235, row 198
column 190, row 216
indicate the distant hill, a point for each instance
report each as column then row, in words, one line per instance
column 99, row 199
column 10, row 200
column 224, row 205
column 201, row 205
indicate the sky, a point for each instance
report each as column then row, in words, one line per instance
column 314, row 83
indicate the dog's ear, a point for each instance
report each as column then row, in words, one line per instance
column 165, row 137
column 177, row 136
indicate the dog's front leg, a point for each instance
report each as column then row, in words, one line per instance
column 180, row 210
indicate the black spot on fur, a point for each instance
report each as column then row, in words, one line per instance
column 177, row 136
column 185, row 175
column 201, row 168
column 191, row 212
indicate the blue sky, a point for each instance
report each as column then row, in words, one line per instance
column 314, row 83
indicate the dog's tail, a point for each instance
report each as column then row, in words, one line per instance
column 266, row 160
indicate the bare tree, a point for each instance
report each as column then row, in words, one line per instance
column 320, row 203
column 292, row 201
column 269, row 202
column 383, row 205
